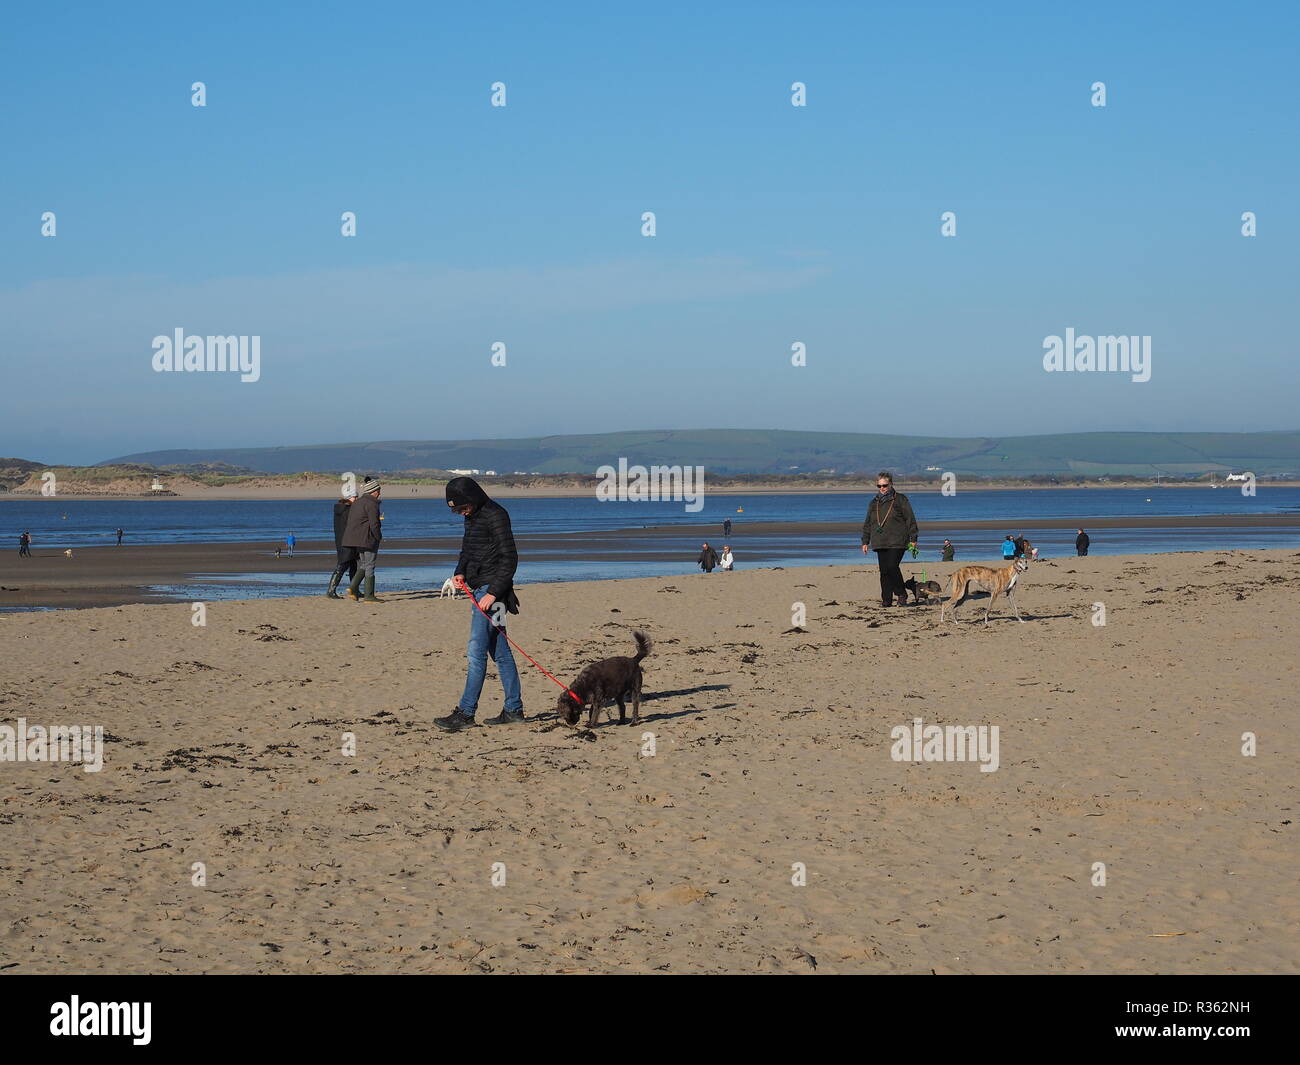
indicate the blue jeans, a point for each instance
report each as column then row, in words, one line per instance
column 486, row 639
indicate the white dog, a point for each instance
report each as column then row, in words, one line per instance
column 448, row 589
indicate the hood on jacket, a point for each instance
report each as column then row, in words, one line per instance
column 465, row 490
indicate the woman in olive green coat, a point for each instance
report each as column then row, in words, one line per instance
column 889, row 529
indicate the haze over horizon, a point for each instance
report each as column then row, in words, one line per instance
column 522, row 224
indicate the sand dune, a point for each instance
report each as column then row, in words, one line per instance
column 1119, row 744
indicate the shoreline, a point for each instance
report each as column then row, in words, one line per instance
column 115, row 576
column 398, row 490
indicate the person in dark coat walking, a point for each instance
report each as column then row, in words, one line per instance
column 949, row 552
column 487, row 563
column 889, row 529
column 726, row 527
column 345, row 557
column 25, row 545
column 364, row 532
column 120, row 534
column 1081, row 543
column 708, row 558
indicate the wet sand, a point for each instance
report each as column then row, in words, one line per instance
column 1120, row 744
column 112, row 576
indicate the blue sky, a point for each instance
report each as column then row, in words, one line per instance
column 522, row 224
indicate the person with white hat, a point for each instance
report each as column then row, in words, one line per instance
column 346, row 557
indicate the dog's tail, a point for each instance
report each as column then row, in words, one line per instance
column 643, row 645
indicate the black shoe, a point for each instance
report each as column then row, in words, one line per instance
column 455, row 721
column 506, row 717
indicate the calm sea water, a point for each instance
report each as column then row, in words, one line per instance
column 68, row 522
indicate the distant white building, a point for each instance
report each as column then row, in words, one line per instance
column 489, row 473
column 157, row 486
column 463, row 473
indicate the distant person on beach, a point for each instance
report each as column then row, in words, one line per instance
column 889, row 529
column 25, row 545
column 1008, row 548
column 708, row 558
column 1022, row 546
column 726, row 527
column 487, row 563
column 289, row 542
column 728, row 560
column 345, row 557
column 1081, row 543
column 119, row 538
column 363, row 532
column 949, row 552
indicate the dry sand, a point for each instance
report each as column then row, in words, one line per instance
column 1118, row 744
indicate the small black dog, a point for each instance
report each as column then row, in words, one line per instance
column 611, row 678
column 920, row 590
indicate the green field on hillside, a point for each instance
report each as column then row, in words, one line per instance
column 769, row 451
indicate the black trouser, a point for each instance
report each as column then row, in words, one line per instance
column 347, row 566
column 891, row 577
column 1082, row 551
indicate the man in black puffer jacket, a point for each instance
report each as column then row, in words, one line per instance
column 487, row 564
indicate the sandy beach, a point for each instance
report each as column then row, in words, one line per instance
column 1119, row 744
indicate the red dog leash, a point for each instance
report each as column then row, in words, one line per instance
column 466, row 589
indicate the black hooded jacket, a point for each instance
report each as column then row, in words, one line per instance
column 487, row 550
column 340, row 521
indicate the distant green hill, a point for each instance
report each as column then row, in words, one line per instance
column 774, row 451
